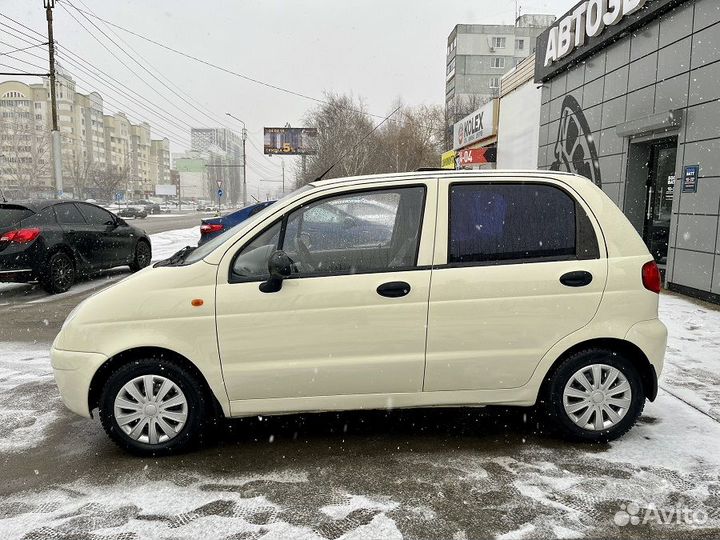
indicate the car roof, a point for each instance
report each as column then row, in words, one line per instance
column 38, row 205
column 487, row 174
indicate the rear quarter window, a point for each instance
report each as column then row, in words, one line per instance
column 12, row 215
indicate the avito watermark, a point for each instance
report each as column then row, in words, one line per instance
column 633, row 514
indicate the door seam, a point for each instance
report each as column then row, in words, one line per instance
column 432, row 267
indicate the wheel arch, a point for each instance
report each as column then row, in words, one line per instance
column 105, row 370
column 626, row 348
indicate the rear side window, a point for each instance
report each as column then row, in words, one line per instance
column 11, row 215
column 68, row 214
column 511, row 222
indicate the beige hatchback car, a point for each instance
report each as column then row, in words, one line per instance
column 407, row 290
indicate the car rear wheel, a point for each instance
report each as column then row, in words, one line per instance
column 59, row 273
column 143, row 255
column 595, row 395
column 152, row 407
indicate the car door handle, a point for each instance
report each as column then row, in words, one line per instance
column 579, row 278
column 394, row 289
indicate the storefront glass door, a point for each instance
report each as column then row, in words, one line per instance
column 660, row 190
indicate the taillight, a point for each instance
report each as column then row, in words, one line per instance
column 21, row 236
column 651, row 277
column 207, row 228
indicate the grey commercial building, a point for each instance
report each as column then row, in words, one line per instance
column 634, row 106
column 478, row 55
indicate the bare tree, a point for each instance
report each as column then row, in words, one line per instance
column 341, row 123
column 25, row 156
column 81, row 172
column 110, row 181
column 411, row 138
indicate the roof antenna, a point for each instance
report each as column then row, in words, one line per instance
column 342, row 156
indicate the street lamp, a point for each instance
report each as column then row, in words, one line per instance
column 244, row 136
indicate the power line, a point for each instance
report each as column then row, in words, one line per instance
column 116, row 56
column 22, row 49
column 204, row 110
column 23, row 25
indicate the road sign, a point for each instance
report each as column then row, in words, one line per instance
column 119, row 196
column 220, row 192
column 219, row 183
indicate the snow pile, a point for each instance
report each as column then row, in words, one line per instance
column 167, row 243
column 692, row 360
column 29, row 401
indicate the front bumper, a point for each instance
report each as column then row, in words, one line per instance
column 73, row 373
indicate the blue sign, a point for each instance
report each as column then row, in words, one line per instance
column 119, row 196
column 690, row 178
column 220, row 192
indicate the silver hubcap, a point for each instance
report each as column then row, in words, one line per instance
column 597, row 397
column 151, row 409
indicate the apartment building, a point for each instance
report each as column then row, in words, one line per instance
column 160, row 161
column 478, row 55
column 93, row 143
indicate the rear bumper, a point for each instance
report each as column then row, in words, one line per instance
column 73, row 373
column 651, row 337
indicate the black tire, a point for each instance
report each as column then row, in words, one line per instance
column 59, row 273
column 557, row 381
column 197, row 407
column 142, row 256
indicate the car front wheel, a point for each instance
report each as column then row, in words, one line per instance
column 595, row 395
column 142, row 257
column 152, row 407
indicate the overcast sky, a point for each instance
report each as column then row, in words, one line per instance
column 376, row 49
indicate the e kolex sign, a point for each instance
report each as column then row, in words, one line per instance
column 474, row 127
column 588, row 27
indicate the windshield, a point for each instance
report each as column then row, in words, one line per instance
column 204, row 250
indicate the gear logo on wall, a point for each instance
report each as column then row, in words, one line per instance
column 575, row 149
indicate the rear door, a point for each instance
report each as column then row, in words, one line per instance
column 81, row 236
column 518, row 266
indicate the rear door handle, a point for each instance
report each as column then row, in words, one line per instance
column 394, row 289
column 579, row 278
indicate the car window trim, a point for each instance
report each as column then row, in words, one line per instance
column 579, row 238
column 233, row 278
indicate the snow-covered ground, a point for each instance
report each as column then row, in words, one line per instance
column 410, row 476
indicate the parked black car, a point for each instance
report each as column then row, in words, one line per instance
column 55, row 242
column 132, row 212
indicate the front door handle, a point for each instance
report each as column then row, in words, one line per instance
column 394, row 289
column 579, row 278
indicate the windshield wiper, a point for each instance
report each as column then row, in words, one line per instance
column 177, row 258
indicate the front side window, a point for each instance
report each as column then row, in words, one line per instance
column 510, row 222
column 370, row 231
column 95, row 215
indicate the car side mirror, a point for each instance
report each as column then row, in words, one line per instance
column 279, row 267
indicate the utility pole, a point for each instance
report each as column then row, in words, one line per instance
column 244, row 161
column 55, row 133
column 244, row 138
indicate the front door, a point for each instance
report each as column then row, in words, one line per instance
column 351, row 319
column 658, row 204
